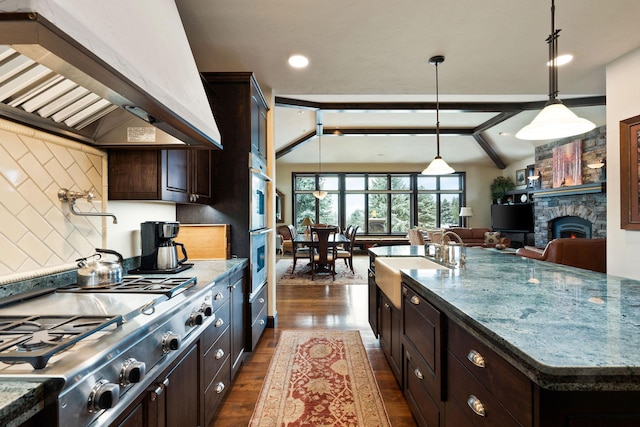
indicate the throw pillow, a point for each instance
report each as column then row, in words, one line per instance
column 491, row 237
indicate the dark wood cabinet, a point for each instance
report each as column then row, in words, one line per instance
column 236, row 285
column 373, row 297
column 172, row 399
column 391, row 335
column 180, row 176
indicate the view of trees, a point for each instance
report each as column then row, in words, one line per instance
column 388, row 207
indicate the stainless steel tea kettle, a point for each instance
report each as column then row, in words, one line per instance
column 99, row 273
column 167, row 258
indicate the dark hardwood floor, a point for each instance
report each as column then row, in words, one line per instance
column 312, row 307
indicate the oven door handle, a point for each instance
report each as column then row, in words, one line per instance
column 261, row 231
column 260, row 174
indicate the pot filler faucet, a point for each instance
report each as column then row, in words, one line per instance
column 71, row 197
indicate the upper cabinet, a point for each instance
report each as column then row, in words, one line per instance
column 240, row 110
column 180, row 176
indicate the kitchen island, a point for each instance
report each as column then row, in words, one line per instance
column 565, row 341
column 23, row 396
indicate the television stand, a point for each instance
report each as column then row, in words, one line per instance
column 519, row 239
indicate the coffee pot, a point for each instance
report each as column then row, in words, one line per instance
column 167, row 258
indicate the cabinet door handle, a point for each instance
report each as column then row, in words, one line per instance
column 415, row 300
column 418, row 373
column 387, row 306
column 371, row 274
column 219, row 387
column 476, row 406
column 261, row 322
column 476, row 358
column 219, row 354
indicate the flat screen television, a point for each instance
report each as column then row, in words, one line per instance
column 517, row 217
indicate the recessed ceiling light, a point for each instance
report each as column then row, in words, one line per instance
column 298, row 61
column 561, row 60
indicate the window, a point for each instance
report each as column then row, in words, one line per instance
column 380, row 203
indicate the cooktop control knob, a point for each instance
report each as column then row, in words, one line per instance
column 206, row 309
column 170, row 342
column 104, row 395
column 195, row 318
column 132, row 372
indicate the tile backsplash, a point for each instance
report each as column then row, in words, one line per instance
column 37, row 230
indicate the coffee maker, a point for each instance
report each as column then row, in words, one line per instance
column 159, row 250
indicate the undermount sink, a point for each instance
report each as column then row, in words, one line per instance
column 388, row 273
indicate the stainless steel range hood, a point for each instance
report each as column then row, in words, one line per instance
column 53, row 83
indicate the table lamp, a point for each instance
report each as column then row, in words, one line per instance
column 465, row 212
column 307, row 222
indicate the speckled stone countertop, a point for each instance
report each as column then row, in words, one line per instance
column 20, row 400
column 564, row 327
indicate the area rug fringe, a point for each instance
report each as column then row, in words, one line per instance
column 319, row 378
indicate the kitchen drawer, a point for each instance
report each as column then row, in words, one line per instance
column 258, row 304
column 221, row 294
column 422, row 330
column 258, row 327
column 505, row 382
column 216, row 355
column 215, row 392
column 425, row 411
column 217, row 327
column 463, row 387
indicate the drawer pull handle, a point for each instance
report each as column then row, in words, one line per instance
column 261, row 322
column 218, row 296
column 476, row 406
column 219, row 323
column 476, row 358
column 418, row 373
column 219, row 387
column 415, row 300
column 387, row 306
column 261, row 300
column 219, row 354
column 371, row 274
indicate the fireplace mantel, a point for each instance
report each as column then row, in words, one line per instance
column 593, row 187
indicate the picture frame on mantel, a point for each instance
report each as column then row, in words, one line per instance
column 521, row 178
column 629, row 165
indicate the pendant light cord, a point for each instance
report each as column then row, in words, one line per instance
column 319, row 131
column 437, row 115
column 552, row 40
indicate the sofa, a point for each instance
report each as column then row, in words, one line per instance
column 479, row 236
column 590, row 254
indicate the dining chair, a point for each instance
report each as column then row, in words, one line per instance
column 347, row 252
column 324, row 257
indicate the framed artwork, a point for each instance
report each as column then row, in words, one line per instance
column 567, row 164
column 629, row 166
column 279, row 206
column 521, row 177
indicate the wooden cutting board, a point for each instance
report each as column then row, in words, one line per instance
column 205, row 241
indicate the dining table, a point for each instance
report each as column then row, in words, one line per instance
column 312, row 241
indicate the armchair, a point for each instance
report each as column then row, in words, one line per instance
column 590, row 254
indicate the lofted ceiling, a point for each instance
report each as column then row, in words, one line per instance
column 363, row 53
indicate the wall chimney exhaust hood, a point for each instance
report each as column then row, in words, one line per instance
column 49, row 80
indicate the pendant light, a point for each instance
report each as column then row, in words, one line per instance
column 319, row 194
column 555, row 120
column 437, row 166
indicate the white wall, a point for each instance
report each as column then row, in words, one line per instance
column 478, row 181
column 623, row 102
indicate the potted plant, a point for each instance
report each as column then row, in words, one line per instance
column 500, row 186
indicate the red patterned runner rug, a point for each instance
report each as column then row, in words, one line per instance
column 320, row 378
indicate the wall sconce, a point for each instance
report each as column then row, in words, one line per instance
column 535, row 181
column 601, row 167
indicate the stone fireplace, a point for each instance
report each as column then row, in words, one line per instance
column 578, row 211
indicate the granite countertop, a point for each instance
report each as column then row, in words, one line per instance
column 565, row 328
column 20, row 400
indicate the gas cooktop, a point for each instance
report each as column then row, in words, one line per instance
column 168, row 286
